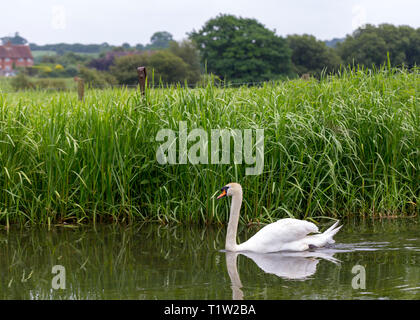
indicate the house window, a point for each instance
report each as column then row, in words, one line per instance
column 20, row 59
column 29, row 60
column 7, row 68
column 7, row 59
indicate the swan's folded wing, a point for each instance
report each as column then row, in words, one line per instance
column 294, row 229
column 285, row 230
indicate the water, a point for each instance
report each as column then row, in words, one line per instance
column 162, row 262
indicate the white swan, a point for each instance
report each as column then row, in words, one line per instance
column 283, row 235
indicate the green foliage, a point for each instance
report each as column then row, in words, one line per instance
column 58, row 66
column 312, row 56
column 369, row 45
column 333, row 42
column 160, row 40
column 344, row 145
column 16, row 39
column 54, row 84
column 162, row 66
column 95, row 78
column 125, row 68
column 62, row 48
column 167, row 67
column 21, row 82
column 242, row 49
column 187, row 51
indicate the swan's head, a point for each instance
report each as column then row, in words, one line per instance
column 230, row 189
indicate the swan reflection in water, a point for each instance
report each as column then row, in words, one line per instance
column 286, row 265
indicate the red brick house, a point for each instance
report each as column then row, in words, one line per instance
column 13, row 56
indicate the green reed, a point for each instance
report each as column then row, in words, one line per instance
column 344, row 145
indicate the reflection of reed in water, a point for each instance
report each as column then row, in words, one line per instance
column 138, row 261
column 287, row 265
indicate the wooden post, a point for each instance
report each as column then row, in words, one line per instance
column 306, row 76
column 141, row 71
column 80, row 88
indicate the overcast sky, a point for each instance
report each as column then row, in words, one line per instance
column 119, row 21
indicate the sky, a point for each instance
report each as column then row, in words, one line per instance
column 135, row 21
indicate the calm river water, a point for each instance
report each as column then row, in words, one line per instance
column 371, row 260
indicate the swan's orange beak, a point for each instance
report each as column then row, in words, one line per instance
column 223, row 194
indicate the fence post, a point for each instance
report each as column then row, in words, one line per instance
column 306, row 76
column 141, row 71
column 80, row 88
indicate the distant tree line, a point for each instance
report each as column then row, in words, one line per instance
column 159, row 40
column 61, row 48
column 369, row 46
column 16, row 39
column 241, row 49
column 233, row 49
column 177, row 63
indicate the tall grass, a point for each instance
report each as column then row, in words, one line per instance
column 344, row 145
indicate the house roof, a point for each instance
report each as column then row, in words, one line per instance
column 15, row 51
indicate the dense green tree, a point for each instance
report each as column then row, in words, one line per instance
column 413, row 49
column 161, row 66
column 160, row 40
column 16, row 39
column 187, row 51
column 333, row 42
column 124, row 68
column 97, row 78
column 242, row 49
column 369, row 45
column 312, row 56
column 167, row 67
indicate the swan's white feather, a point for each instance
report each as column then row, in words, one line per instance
column 284, row 234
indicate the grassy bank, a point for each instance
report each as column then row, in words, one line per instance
column 346, row 145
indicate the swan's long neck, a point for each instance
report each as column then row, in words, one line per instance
column 233, row 222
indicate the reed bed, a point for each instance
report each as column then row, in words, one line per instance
column 346, row 145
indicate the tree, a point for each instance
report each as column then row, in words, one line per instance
column 167, row 67
column 75, row 47
column 96, row 78
column 369, row 45
column 413, row 49
column 17, row 39
column 161, row 65
column 187, row 51
column 103, row 63
column 312, row 56
column 160, row 40
column 124, row 68
column 242, row 49
column 139, row 47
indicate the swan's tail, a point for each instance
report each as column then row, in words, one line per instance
column 331, row 231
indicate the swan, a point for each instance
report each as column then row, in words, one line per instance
column 283, row 235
